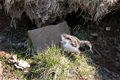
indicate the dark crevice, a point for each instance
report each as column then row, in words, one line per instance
column 25, row 23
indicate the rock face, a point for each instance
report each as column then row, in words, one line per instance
column 46, row 36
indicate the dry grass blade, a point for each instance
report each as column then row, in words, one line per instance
column 48, row 10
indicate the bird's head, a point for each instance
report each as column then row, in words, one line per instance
column 85, row 46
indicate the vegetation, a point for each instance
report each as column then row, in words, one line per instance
column 35, row 9
column 51, row 64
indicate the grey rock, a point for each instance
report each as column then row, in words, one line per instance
column 47, row 36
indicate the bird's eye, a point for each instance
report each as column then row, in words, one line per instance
column 82, row 49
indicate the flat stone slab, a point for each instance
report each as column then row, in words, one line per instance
column 47, row 36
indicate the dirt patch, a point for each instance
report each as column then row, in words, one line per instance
column 108, row 43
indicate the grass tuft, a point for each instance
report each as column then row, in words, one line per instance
column 53, row 65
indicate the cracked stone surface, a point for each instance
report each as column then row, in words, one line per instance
column 46, row 36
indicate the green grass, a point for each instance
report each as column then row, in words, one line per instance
column 51, row 64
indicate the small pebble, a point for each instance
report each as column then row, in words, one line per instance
column 108, row 28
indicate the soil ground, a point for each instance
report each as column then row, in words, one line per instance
column 107, row 46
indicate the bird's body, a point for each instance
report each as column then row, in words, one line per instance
column 73, row 44
column 70, row 48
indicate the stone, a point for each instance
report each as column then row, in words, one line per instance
column 46, row 36
column 108, row 28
